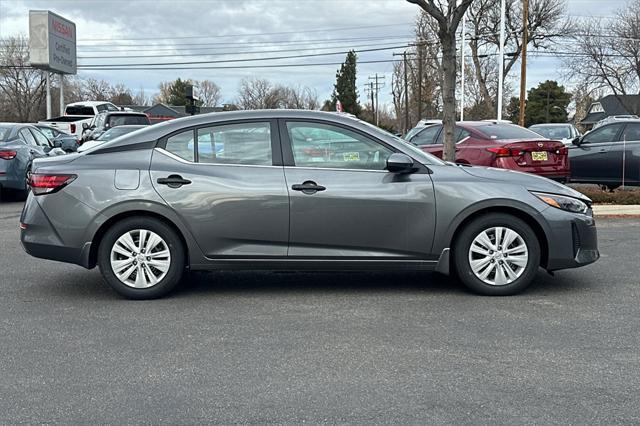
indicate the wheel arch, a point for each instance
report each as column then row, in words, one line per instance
column 96, row 239
column 523, row 213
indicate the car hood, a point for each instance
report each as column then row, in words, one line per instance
column 529, row 181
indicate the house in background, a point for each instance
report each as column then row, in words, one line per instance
column 608, row 106
column 160, row 112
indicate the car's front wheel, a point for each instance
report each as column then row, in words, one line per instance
column 141, row 258
column 497, row 254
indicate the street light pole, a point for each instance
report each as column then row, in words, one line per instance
column 501, row 58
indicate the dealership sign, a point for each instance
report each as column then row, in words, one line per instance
column 52, row 42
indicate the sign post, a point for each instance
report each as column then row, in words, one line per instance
column 52, row 48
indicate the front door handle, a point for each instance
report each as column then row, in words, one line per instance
column 308, row 187
column 173, row 181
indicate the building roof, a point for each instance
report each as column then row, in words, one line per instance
column 612, row 105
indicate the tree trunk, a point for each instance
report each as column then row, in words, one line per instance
column 449, row 93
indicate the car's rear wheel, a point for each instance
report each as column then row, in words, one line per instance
column 141, row 258
column 497, row 254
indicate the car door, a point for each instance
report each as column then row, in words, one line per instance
column 623, row 158
column 589, row 160
column 35, row 149
column 343, row 203
column 226, row 182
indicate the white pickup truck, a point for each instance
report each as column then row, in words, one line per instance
column 76, row 114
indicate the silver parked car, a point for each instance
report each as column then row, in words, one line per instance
column 295, row 190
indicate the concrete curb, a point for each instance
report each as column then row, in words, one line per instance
column 616, row 211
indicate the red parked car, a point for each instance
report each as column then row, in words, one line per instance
column 494, row 144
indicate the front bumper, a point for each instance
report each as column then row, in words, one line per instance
column 573, row 240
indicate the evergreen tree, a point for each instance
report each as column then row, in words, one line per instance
column 547, row 103
column 345, row 88
column 177, row 92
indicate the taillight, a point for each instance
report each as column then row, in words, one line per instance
column 505, row 152
column 46, row 184
column 8, row 155
column 72, row 127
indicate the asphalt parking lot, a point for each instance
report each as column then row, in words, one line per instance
column 362, row 348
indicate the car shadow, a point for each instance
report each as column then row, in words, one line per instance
column 82, row 284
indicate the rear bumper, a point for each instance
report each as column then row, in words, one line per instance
column 39, row 238
column 559, row 172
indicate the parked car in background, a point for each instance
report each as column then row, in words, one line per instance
column 614, row 118
column 59, row 139
column 107, row 120
column 20, row 144
column 608, row 155
column 502, row 145
column 109, row 135
column 76, row 115
column 420, row 125
column 295, row 190
column 563, row 132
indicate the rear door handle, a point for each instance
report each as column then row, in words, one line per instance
column 308, row 187
column 173, row 181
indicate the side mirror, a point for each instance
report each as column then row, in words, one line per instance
column 85, row 126
column 577, row 141
column 400, row 163
column 57, row 144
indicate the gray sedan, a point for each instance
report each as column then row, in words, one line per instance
column 295, row 190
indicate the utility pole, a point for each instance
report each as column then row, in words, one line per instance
column 406, row 88
column 462, row 46
column 368, row 88
column 523, row 63
column 501, row 59
column 420, row 48
column 376, row 89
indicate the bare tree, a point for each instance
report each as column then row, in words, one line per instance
column 610, row 54
column 545, row 26
column 262, row 94
column 140, row 98
column 209, row 93
column 21, row 87
column 447, row 14
column 97, row 90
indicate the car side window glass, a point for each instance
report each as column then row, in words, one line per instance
column 328, row 146
column 40, row 138
column 28, row 137
column 244, row 143
column 631, row 132
column 459, row 133
column 462, row 134
column 181, row 144
column 426, row 136
column 48, row 132
column 603, row 134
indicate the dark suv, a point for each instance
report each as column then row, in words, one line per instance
column 109, row 119
column 608, row 155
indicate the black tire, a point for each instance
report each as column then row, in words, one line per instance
column 462, row 246
column 175, row 247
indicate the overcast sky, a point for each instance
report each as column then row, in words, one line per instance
column 284, row 27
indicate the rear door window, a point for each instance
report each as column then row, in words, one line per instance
column 40, row 138
column 244, row 143
column 26, row 136
column 427, row 136
column 181, row 144
column 631, row 132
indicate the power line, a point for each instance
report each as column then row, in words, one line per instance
column 250, row 34
column 309, row 55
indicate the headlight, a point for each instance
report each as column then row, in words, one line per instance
column 562, row 202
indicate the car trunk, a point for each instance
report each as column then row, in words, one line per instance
column 538, row 153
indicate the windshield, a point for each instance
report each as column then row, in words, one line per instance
column 115, row 132
column 506, row 131
column 553, row 132
column 121, row 120
column 79, row 110
column 414, row 150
